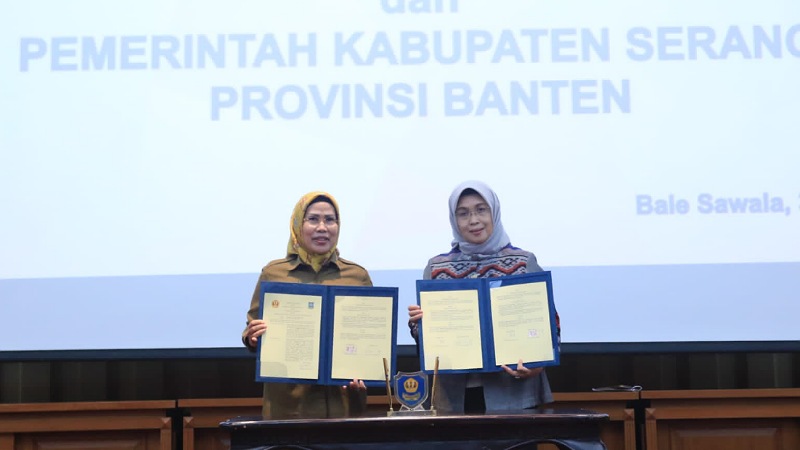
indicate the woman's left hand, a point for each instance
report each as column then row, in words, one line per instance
column 356, row 386
column 356, row 392
column 522, row 371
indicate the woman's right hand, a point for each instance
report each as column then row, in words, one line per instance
column 414, row 313
column 255, row 329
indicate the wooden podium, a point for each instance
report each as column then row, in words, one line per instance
column 568, row 430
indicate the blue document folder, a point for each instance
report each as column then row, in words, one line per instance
column 479, row 324
column 318, row 334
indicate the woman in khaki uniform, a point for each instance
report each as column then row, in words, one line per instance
column 311, row 257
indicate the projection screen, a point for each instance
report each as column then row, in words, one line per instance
column 152, row 151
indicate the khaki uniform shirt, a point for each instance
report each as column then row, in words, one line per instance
column 293, row 401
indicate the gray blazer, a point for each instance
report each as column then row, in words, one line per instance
column 501, row 392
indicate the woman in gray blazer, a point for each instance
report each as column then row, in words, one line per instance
column 481, row 249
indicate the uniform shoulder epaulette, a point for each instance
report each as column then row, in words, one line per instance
column 350, row 263
column 276, row 262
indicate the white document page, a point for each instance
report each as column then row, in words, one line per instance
column 521, row 323
column 290, row 346
column 362, row 337
column 451, row 329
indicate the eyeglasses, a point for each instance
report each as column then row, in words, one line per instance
column 480, row 211
column 314, row 221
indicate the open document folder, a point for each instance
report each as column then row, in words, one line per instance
column 326, row 334
column 477, row 324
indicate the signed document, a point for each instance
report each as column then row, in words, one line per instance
column 479, row 324
column 290, row 346
column 452, row 329
column 362, row 336
column 521, row 323
column 325, row 334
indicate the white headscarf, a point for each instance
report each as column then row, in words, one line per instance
column 497, row 240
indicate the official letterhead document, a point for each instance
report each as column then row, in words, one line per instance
column 452, row 329
column 290, row 347
column 479, row 324
column 321, row 334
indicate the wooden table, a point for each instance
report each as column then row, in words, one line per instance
column 569, row 430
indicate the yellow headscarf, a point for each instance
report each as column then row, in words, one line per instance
column 296, row 244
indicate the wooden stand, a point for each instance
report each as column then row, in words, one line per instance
column 729, row 419
column 140, row 424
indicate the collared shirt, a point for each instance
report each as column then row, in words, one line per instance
column 337, row 272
